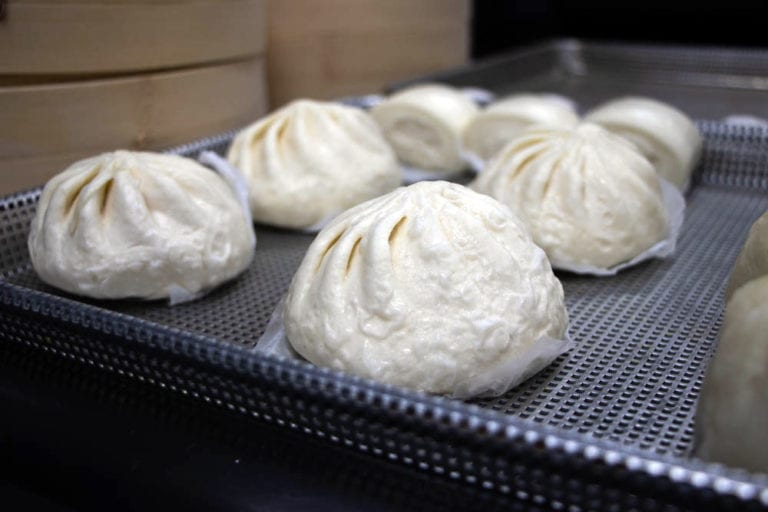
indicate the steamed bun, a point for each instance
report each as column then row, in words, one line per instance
column 752, row 261
column 310, row 160
column 504, row 120
column 588, row 197
column 732, row 414
column 144, row 225
column 424, row 124
column 662, row 133
column 432, row 287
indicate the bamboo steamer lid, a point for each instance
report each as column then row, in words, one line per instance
column 49, row 37
column 342, row 47
column 42, row 126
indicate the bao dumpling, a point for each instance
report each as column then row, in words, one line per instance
column 424, row 125
column 311, row 160
column 144, row 225
column 665, row 135
column 432, row 287
column 588, row 197
column 752, row 261
column 732, row 415
column 504, row 120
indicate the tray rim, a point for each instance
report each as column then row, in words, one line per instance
column 461, row 421
column 566, row 54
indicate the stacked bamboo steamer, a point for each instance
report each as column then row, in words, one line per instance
column 78, row 77
column 332, row 48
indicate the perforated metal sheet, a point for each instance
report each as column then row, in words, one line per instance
column 236, row 312
column 643, row 337
column 619, row 408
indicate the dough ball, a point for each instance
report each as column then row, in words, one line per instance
column 504, row 120
column 424, row 125
column 311, row 160
column 752, row 261
column 431, row 287
column 143, row 225
column 732, row 415
column 665, row 135
column 588, row 197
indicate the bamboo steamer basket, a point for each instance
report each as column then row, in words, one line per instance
column 88, row 76
column 336, row 48
column 45, row 124
column 41, row 38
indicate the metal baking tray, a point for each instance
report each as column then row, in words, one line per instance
column 608, row 426
column 707, row 83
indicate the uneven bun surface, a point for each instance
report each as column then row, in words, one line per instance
column 311, row 160
column 732, row 414
column 504, row 120
column 662, row 133
column 424, row 124
column 752, row 261
column 588, row 197
column 144, row 225
column 432, row 287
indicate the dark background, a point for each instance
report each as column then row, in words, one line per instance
column 502, row 25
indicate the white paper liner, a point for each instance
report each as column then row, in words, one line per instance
column 514, row 372
column 178, row 295
column 237, row 182
column 479, row 95
column 496, row 382
column 474, row 161
column 365, row 102
column 274, row 341
column 675, row 204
